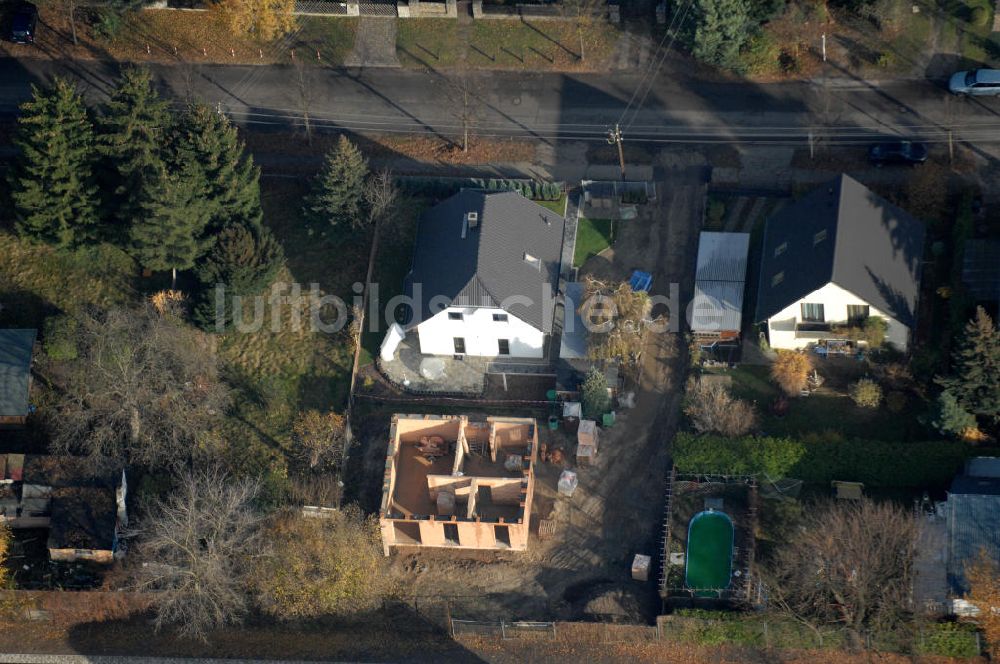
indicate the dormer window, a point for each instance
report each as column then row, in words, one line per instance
column 533, row 261
column 777, row 279
column 780, row 249
column 819, row 237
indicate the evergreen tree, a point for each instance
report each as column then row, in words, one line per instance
column 231, row 181
column 950, row 419
column 133, row 132
column 719, row 31
column 52, row 184
column 245, row 259
column 975, row 378
column 168, row 232
column 338, row 192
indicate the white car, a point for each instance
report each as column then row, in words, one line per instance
column 976, row 83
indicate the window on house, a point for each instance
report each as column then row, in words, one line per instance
column 499, row 318
column 454, row 315
column 777, row 279
column 812, row 313
column 857, row 313
column 780, row 249
column 451, row 533
column 504, row 346
column 459, row 345
column 819, row 237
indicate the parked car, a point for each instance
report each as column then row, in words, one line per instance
column 898, row 152
column 976, row 83
column 23, row 21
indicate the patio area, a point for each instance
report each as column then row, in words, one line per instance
column 416, row 372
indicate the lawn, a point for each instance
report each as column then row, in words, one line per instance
column 37, row 280
column 160, row 35
column 592, row 237
column 429, row 42
column 557, row 206
column 825, row 410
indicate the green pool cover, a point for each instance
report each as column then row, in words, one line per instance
column 709, row 563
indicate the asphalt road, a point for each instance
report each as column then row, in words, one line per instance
column 668, row 107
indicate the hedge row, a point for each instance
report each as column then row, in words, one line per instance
column 876, row 463
column 443, row 187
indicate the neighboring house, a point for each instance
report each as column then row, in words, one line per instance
column 16, row 348
column 720, row 278
column 485, row 276
column 834, row 258
column 455, row 483
column 972, row 513
column 81, row 505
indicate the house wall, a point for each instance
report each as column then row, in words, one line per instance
column 781, row 326
column 471, row 534
column 481, row 334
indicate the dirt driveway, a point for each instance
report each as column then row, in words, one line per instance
column 583, row 569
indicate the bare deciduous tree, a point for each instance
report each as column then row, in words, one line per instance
column 983, row 577
column 142, row 387
column 465, row 102
column 198, row 547
column 618, row 320
column 713, row 409
column 851, row 566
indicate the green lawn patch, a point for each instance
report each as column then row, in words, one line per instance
column 539, row 45
column 822, row 411
column 428, row 42
column 558, row 206
column 592, row 237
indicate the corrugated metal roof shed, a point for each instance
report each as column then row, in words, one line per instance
column 15, row 371
column 719, row 282
column 717, row 306
column 722, row 256
column 973, row 514
column 981, row 269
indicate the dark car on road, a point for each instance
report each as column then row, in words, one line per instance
column 899, row 152
column 22, row 23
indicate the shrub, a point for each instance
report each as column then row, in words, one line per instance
column 980, row 16
column 950, row 419
column 716, row 211
column 950, row 639
column 594, row 394
column 866, row 393
column 823, row 459
column 713, row 410
column 59, row 337
column 761, row 55
column 790, row 371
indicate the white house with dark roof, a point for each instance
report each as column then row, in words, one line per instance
column 485, row 276
column 836, row 257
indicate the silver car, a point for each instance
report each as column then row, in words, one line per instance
column 976, row 83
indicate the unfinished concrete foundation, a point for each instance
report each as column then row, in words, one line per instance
column 452, row 481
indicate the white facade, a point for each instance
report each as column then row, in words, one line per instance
column 481, row 333
column 781, row 327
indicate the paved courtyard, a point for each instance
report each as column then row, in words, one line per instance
column 434, row 373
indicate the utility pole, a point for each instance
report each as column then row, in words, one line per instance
column 615, row 137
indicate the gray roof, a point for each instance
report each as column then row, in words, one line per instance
column 981, row 269
column 973, row 512
column 15, row 369
column 845, row 234
column 720, row 276
column 485, row 266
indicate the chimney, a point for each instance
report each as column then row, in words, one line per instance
column 472, row 219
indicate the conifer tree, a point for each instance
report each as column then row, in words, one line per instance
column 231, row 181
column 718, row 30
column 133, row 132
column 338, row 191
column 975, row 378
column 52, row 184
column 168, row 232
column 245, row 259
